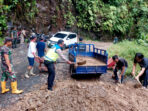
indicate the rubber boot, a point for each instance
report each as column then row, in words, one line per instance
column 27, row 72
column 3, row 86
column 14, row 88
column 31, row 72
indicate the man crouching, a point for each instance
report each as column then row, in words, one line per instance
column 121, row 65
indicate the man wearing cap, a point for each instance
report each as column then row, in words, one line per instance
column 31, row 56
column 41, row 50
column 80, row 40
column 81, row 46
column 50, row 58
column 7, row 69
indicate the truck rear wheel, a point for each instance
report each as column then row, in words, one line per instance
column 99, row 75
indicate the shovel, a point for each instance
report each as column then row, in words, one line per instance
column 137, row 84
column 78, row 63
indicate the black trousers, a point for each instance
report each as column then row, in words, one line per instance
column 51, row 73
column 14, row 43
column 144, row 78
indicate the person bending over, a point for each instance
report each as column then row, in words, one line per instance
column 142, row 77
column 121, row 65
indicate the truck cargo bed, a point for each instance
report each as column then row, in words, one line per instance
column 96, row 59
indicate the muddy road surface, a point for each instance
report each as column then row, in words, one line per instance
column 89, row 94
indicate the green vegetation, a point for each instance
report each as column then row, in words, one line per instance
column 20, row 9
column 122, row 18
column 127, row 50
column 68, row 16
column 87, row 13
column 70, row 19
column 1, row 41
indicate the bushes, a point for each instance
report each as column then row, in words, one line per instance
column 17, row 8
column 118, row 21
column 122, row 18
column 69, row 16
column 87, row 13
column 3, row 18
column 1, row 41
column 127, row 50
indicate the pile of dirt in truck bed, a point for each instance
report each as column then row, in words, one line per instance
column 84, row 96
column 90, row 61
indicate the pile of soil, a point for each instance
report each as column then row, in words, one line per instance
column 84, row 96
column 90, row 61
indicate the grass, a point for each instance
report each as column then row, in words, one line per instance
column 128, row 49
column 1, row 41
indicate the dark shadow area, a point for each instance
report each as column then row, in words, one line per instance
column 86, row 76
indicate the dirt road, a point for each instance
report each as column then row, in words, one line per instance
column 69, row 94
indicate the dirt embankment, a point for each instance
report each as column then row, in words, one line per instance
column 49, row 18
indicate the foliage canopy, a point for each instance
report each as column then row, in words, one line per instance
column 122, row 18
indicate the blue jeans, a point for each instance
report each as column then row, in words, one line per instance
column 51, row 73
column 116, row 75
column 144, row 78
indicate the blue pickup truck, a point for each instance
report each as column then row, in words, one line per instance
column 96, row 59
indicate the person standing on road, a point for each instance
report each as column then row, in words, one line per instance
column 142, row 77
column 7, row 69
column 18, row 34
column 121, row 64
column 41, row 48
column 31, row 56
column 81, row 47
column 23, row 35
column 81, row 40
column 49, row 60
column 14, row 37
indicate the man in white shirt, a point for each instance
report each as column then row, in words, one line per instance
column 31, row 56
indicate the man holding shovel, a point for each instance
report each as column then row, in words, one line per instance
column 50, row 59
column 121, row 64
column 142, row 77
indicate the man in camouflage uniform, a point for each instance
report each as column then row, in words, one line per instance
column 14, row 37
column 7, row 68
